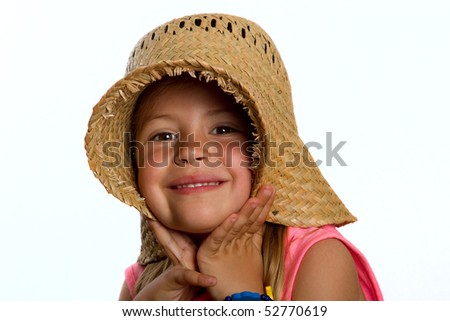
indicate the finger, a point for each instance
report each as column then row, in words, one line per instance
column 254, row 222
column 215, row 240
column 184, row 242
column 186, row 249
column 251, row 217
column 266, row 195
column 167, row 241
column 242, row 222
column 185, row 277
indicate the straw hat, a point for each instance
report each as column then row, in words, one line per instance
column 243, row 59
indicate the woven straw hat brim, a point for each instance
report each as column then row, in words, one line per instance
column 244, row 61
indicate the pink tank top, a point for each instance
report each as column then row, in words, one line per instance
column 298, row 242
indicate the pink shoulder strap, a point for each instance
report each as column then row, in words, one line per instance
column 132, row 274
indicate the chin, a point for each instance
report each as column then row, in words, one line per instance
column 198, row 230
column 201, row 223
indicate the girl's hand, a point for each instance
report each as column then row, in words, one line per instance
column 232, row 252
column 181, row 281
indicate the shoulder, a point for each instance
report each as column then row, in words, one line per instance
column 299, row 240
column 125, row 293
column 327, row 272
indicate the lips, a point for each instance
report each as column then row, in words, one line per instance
column 196, row 185
column 192, row 182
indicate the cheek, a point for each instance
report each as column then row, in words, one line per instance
column 236, row 155
column 149, row 179
column 145, row 175
column 150, row 173
column 239, row 165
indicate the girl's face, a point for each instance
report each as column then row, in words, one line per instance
column 192, row 172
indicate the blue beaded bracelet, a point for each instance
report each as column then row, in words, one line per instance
column 248, row 296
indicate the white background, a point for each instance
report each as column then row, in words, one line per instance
column 374, row 73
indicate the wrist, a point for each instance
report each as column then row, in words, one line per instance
column 248, row 296
column 238, row 284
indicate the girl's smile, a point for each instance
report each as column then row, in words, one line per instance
column 195, row 183
column 198, row 133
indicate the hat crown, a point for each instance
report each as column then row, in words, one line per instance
column 221, row 40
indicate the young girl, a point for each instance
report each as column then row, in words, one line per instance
column 200, row 137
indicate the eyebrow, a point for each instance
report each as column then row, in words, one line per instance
column 156, row 115
column 214, row 112
column 150, row 117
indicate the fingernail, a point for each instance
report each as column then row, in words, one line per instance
column 267, row 191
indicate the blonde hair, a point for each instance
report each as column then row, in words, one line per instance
column 273, row 262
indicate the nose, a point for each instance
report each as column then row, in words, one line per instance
column 189, row 150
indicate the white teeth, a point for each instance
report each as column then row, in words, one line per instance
column 197, row 185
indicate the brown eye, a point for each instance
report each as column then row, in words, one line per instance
column 221, row 130
column 164, row 137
